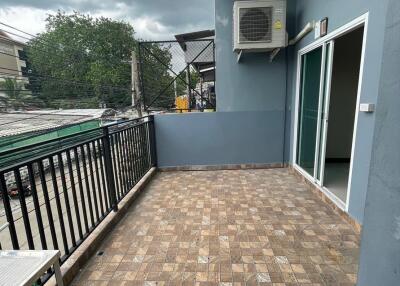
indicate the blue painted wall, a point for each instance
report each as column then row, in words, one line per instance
column 254, row 83
column 340, row 12
column 219, row 138
column 380, row 244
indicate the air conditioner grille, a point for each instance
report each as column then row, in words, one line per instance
column 255, row 24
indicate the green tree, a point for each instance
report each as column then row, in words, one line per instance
column 84, row 61
column 157, row 79
column 15, row 96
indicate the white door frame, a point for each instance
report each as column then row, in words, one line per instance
column 325, row 109
column 356, row 23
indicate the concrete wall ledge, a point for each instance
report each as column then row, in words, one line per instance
column 222, row 167
column 71, row 267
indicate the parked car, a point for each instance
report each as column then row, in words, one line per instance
column 13, row 192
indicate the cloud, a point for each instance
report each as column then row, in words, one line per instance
column 152, row 19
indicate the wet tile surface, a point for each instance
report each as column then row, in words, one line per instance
column 240, row 227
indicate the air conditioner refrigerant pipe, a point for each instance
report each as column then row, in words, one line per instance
column 307, row 29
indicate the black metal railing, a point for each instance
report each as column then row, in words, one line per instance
column 56, row 197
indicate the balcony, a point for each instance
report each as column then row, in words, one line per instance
column 98, row 197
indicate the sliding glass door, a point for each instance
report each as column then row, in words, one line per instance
column 308, row 109
column 313, row 109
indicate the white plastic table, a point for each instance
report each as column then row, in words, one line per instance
column 25, row 267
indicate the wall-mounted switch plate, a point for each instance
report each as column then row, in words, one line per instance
column 321, row 28
column 367, row 107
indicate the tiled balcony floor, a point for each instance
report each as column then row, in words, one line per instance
column 242, row 227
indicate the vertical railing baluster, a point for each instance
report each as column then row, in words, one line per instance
column 140, row 151
column 135, row 146
column 129, row 149
column 8, row 211
column 119, row 159
column 47, row 204
column 146, row 143
column 115, row 168
column 36, row 204
column 129, row 165
column 66, row 199
column 58, row 204
column 96, row 166
column 109, row 169
column 87, row 187
column 91, row 174
column 80, row 185
column 125, row 160
column 24, row 209
column 103, row 177
column 74, row 195
column 149, row 143
column 144, row 136
column 134, row 154
column 142, row 139
column 153, row 142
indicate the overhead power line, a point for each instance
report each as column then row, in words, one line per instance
column 42, row 42
column 60, row 79
column 47, row 48
column 11, row 27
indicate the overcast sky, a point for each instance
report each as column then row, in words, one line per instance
column 152, row 19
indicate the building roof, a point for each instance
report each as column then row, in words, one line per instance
column 200, row 54
column 204, row 34
column 7, row 37
column 16, row 123
column 195, row 35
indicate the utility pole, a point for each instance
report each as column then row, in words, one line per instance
column 175, row 89
column 188, row 90
column 135, row 86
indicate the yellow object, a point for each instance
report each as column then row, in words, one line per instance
column 182, row 104
column 278, row 25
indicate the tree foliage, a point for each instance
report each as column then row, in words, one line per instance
column 83, row 62
column 157, row 80
column 15, row 97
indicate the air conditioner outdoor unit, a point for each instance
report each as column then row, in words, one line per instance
column 259, row 25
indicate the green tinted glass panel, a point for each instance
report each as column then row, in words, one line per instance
column 308, row 109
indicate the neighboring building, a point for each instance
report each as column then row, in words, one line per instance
column 28, row 127
column 11, row 61
column 12, row 53
column 199, row 52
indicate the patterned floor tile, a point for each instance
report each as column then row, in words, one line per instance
column 227, row 228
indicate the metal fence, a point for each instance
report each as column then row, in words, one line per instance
column 178, row 75
column 57, row 197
